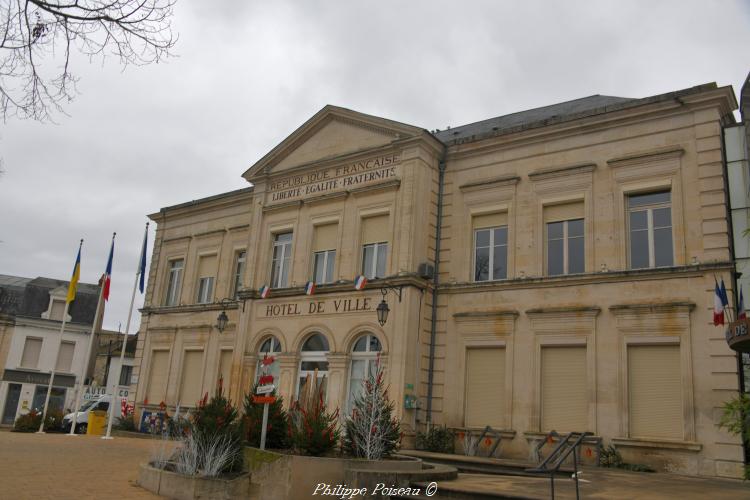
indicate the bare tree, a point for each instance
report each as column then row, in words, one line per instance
column 38, row 38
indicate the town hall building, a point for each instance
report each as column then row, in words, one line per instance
column 552, row 269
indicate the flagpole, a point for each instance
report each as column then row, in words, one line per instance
column 59, row 344
column 116, row 380
column 87, row 358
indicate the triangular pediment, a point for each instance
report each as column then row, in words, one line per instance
column 330, row 133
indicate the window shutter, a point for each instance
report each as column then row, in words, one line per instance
column 65, row 359
column 565, row 400
column 490, row 220
column 375, row 229
column 58, row 309
column 566, row 211
column 207, row 266
column 325, row 237
column 31, row 350
column 655, row 391
column 192, row 376
column 225, row 368
column 485, row 387
column 157, row 379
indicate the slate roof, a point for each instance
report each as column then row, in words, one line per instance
column 556, row 113
column 29, row 297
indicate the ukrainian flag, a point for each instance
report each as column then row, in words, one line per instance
column 74, row 279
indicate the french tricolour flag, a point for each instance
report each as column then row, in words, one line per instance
column 264, row 291
column 741, row 314
column 718, row 306
column 310, row 288
column 108, row 272
column 360, row 282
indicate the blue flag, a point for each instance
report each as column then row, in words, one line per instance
column 723, row 290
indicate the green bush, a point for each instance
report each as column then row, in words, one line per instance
column 437, row 439
column 217, row 421
column 277, row 436
column 126, row 424
column 313, row 430
column 735, row 419
column 611, row 458
column 30, row 422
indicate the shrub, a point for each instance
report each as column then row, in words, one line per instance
column 371, row 430
column 735, row 419
column 30, row 422
column 611, row 458
column 276, row 428
column 215, row 423
column 437, row 439
column 312, row 429
column 126, row 424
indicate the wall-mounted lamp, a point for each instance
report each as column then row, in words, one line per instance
column 223, row 319
column 382, row 310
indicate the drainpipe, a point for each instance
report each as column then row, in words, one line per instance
column 436, row 283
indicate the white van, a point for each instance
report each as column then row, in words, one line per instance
column 100, row 403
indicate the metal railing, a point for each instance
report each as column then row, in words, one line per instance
column 552, row 463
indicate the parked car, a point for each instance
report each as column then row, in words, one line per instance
column 100, row 403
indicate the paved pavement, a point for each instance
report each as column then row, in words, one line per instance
column 61, row 467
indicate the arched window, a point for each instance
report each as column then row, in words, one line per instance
column 312, row 357
column 270, row 347
column 364, row 355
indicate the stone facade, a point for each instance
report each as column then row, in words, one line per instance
column 512, row 341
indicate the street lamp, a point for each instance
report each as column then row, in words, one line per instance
column 223, row 319
column 382, row 310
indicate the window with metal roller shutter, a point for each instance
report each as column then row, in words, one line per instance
column 31, row 349
column 65, row 358
column 375, row 229
column 655, row 391
column 489, row 220
column 565, row 400
column 157, row 379
column 192, row 377
column 485, row 387
column 566, row 211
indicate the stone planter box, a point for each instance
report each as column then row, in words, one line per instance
column 181, row 487
column 275, row 476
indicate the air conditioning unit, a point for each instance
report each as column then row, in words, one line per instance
column 426, row 270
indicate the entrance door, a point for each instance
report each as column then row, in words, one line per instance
column 11, row 404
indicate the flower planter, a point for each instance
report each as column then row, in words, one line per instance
column 178, row 486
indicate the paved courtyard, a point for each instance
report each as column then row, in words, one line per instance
column 57, row 466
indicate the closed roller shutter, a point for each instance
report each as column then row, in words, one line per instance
column 489, row 220
column 567, row 211
column 325, row 237
column 565, row 400
column 157, row 378
column 192, row 376
column 207, row 266
column 375, row 229
column 485, row 387
column 58, row 309
column 655, row 387
column 65, row 359
column 31, row 350
column 225, row 368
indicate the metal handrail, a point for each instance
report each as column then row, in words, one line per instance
column 561, row 452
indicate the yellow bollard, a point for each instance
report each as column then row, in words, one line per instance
column 97, row 422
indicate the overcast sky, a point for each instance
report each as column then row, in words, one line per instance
column 248, row 73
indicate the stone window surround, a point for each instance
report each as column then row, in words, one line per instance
column 374, row 211
column 191, row 347
column 54, row 296
column 199, row 254
column 324, row 220
column 579, row 330
column 632, row 331
column 480, row 329
column 147, row 362
column 272, row 230
column 642, row 172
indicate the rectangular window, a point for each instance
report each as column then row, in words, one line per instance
column 282, row 260
column 375, row 246
column 491, row 253
column 206, row 278
column 192, row 377
column 655, row 391
column 174, row 282
column 565, row 250
column 650, row 227
column 564, row 389
column 485, row 387
column 324, row 263
column 324, row 252
column 65, row 358
column 373, row 260
column 58, row 309
column 31, row 350
column 157, row 378
column 239, row 272
column 125, row 374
